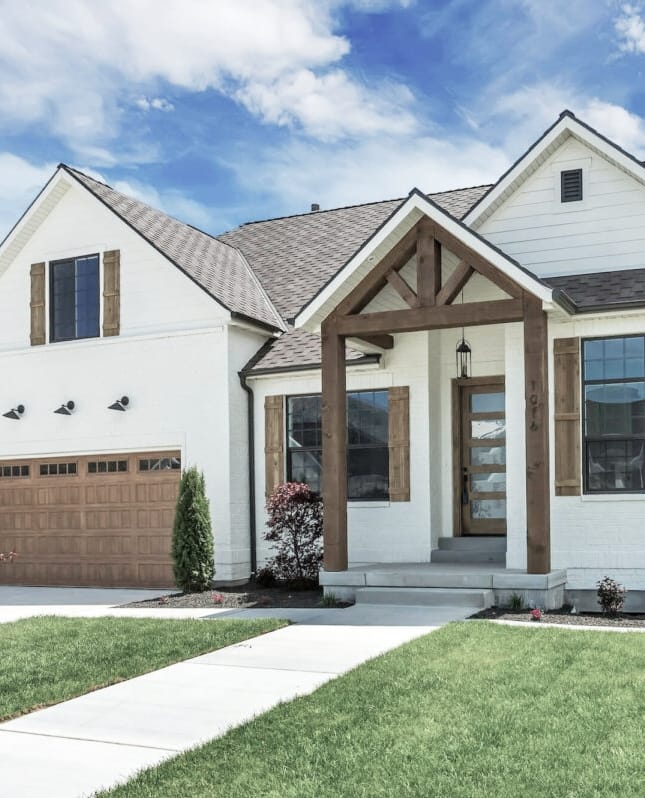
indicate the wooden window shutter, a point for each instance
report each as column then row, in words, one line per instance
column 566, row 354
column 399, row 443
column 37, row 304
column 273, row 442
column 111, row 292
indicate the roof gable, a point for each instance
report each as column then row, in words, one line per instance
column 389, row 235
column 567, row 125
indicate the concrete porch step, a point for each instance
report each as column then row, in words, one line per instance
column 467, row 556
column 426, row 597
column 480, row 543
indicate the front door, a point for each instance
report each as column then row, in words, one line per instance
column 481, row 451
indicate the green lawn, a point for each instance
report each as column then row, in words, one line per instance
column 46, row 660
column 475, row 710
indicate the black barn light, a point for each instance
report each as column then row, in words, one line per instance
column 65, row 409
column 120, row 404
column 15, row 413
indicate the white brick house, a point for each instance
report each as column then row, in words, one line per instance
column 533, row 463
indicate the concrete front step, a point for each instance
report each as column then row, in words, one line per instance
column 426, row 597
column 475, row 556
column 480, row 543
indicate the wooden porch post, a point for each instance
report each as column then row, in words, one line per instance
column 536, row 386
column 334, row 455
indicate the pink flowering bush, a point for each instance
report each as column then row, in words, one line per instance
column 295, row 529
column 536, row 614
column 9, row 557
column 217, row 598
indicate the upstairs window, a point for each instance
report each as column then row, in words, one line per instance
column 571, row 185
column 74, row 298
column 367, row 443
column 614, row 407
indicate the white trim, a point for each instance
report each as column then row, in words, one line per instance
column 311, row 316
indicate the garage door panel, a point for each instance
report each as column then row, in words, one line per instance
column 95, row 521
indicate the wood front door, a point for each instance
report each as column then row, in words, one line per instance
column 480, row 454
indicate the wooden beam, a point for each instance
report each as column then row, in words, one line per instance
column 382, row 341
column 480, row 264
column 374, row 281
column 334, row 448
column 536, row 382
column 455, row 283
column 402, row 288
column 428, row 263
column 432, row 318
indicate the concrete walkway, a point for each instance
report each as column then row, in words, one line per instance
column 100, row 739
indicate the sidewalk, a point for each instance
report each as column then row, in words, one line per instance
column 92, row 742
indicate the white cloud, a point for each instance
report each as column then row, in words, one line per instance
column 630, row 27
column 21, row 182
column 371, row 170
column 68, row 63
column 531, row 109
column 155, row 104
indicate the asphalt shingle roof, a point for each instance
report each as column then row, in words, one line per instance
column 295, row 256
column 218, row 267
column 606, row 290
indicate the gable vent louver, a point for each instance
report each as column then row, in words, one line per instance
column 571, row 185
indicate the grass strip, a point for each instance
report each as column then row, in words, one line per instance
column 49, row 659
column 473, row 710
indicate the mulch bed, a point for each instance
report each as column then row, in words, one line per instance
column 242, row 597
column 624, row 620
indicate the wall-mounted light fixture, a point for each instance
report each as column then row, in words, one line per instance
column 15, row 413
column 65, row 409
column 120, row 404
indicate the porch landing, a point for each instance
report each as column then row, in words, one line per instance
column 543, row 590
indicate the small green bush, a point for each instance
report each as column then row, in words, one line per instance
column 611, row 596
column 516, row 601
column 192, row 535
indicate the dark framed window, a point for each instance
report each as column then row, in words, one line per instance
column 571, row 185
column 58, row 470
column 74, row 298
column 14, row 471
column 107, row 466
column 614, row 414
column 367, row 443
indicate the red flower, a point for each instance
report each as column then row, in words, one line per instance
column 536, row 614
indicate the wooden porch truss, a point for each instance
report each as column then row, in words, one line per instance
column 430, row 308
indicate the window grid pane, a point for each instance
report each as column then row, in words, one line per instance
column 74, row 298
column 367, row 443
column 614, row 414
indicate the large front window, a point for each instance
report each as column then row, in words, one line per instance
column 367, row 443
column 614, row 421
column 74, row 298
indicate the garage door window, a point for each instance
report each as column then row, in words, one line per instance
column 107, row 466
column 58, row 469
column 160, row 464
column 14, row 471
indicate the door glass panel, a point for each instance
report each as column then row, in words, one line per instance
column 494, row 482
column 488, row 508
column 487, row 402
column 488, row 455
column 495, row 428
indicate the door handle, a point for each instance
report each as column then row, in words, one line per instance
column 464, row 490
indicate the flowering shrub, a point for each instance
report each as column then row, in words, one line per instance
column 611, row 596
column 9, row 557
column 295, row 529
column 536, row 614
column 217, row 598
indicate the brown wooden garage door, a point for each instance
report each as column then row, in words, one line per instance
column 103, row 520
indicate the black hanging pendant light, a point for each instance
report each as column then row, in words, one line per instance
column 463, row 354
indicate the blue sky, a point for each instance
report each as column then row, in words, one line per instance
column 224, row 111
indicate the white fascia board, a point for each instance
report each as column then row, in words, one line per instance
column 565, row 127
column 57, row 185
column 416, row 206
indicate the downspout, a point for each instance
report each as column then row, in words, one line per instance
column 253, row 547
column 251, row 466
